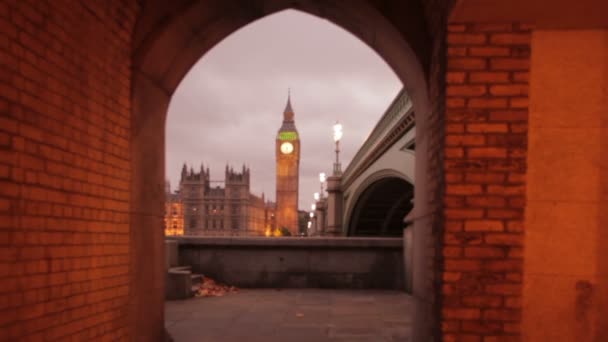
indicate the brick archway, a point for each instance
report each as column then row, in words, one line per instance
column 81, row 142
column 169, row 39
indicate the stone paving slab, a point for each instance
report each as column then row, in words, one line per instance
column 292, row 315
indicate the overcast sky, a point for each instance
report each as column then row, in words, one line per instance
column 230, row 105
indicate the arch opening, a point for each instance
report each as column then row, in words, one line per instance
column 169, row 39
column 381, row 208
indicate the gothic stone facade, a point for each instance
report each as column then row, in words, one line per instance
column 230, row 210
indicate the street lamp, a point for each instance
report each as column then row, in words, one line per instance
column 312, row 214
column 316, row 196
column 313, row 207
column 322, row 180
column 337, row 137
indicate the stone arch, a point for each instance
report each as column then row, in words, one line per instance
column 365, row 184
column 171, row 36
column 380, row 206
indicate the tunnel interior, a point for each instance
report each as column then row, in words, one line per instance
column 381, row 208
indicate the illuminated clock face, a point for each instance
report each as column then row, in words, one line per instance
column 286, row 148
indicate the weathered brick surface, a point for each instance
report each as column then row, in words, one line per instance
column 487, row 90
column 64, row 168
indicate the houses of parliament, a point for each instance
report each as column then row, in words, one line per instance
column 206, row 207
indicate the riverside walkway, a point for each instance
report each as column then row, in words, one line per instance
column 309, row 315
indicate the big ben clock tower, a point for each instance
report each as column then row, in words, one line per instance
column 288, row 165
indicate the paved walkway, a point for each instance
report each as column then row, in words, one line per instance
column 309, row 315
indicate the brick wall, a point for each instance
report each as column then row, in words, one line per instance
column 485, row 166
column 64, row 168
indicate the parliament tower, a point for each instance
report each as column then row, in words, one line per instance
column 288, row 165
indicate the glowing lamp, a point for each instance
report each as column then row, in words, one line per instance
column 337, row 132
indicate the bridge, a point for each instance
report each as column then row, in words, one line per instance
column 376, row 190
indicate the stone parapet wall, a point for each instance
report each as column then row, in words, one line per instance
column 353, row 263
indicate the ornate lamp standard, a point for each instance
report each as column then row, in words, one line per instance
column 333, row 204
column 337, row 137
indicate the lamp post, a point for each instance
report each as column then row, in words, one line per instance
column 337, row 137
column 316, row 196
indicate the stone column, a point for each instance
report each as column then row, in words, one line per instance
column 334, row 207
column 320, row 216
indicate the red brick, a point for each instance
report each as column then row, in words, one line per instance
column 456, row 28
column 481, row 327
column 467, row 39
column 518, row 128
column 489, row 51
column 452, row 251
column 502, row 315
column 467, row 63
column 466, row 115
column 509, row 115
column 515, row 226
column 484, row 177
column 487, row 128
column 510, row 38
column 453, row 226
column 486, row 152
column 454, row 128
column 465, row 140
column 505, row 213
column 484, row 226
column 462, row 189
column 488, row 103
column 457, row 51
column 452, row 177
column 461, row 337
column 486, row 201
column 519, row 102
column 510, row 64
column 509, row 90
column 523, row 77
column 506, row 189
column 462, row 265
column 492, row 27
column 455, row 103
column 456, row 77
column 504, row 239
column 450, row 326
column 453, row 201
column 504, row 265
column 466, row 90
column 466, row 314
column 504, row 289
column 463, row 238
column 511, row 327
column 489, row 77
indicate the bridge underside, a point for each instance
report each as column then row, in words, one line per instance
column 381, row 208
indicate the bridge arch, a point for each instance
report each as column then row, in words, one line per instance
column 380, row 204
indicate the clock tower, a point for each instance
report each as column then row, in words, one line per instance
column 287, row 152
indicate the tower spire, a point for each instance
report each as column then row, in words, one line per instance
column 288, row 112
